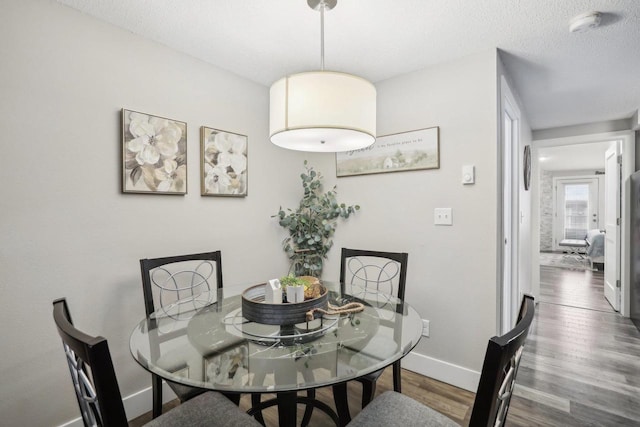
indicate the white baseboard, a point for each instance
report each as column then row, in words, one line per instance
column 135, row 404
column 442, row 371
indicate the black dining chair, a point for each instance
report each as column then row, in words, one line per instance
column 377, row 272
column 99, row 399
column 493, row 396
column 177, row 286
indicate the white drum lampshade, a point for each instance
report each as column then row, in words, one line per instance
column 322, row 111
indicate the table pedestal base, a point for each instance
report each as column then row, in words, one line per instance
column 287, row 409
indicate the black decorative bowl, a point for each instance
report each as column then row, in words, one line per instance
column 255, row 309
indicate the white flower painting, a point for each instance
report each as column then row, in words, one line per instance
column 154, row 151
column 224, row 163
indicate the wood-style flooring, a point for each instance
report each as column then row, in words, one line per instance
column 580, row 367
column 573, row 288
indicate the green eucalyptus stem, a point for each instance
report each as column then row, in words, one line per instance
column 312, row 225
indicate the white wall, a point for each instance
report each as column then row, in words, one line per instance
column 452, row 269
column 66, row 228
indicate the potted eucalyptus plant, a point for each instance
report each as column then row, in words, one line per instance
column 311, row 225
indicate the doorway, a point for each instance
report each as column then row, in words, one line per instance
column 542, row 219
column 571, row 205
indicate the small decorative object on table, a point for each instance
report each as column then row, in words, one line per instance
column 256, row 308
column 298, row 307
column 273, row 292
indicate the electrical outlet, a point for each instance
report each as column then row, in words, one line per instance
column 442, row 216
column 425, row 328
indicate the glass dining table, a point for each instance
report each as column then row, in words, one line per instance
column 205, row 342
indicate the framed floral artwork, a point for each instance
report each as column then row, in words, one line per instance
column 154, row 154
column 223, row 163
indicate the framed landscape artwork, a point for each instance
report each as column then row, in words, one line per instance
column 154, row 154
column 224, row 162
column 406, row 151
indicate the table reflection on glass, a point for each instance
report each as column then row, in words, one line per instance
column 208, row 344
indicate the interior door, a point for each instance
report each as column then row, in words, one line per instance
column 612, row 226
column 576, row 210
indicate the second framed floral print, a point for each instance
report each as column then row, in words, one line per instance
column 223, row 163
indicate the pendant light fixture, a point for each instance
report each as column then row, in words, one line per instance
column 322, row 111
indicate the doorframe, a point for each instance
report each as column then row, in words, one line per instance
column 627, row 141
column 509, row 292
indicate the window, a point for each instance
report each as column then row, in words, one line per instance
column 576, row 211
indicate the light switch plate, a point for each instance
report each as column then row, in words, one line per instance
column 442, row 216
column 468, row 174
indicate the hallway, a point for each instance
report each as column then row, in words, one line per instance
column 580, row 365
column 580, row 287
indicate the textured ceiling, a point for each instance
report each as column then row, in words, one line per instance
column 563, row 78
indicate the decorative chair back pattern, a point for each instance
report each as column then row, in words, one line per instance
column 85, row 393
column 382, row 276
column 499, row 371
column 179, row 285
column 381, row 273
column 184, row 289
column 96, row 387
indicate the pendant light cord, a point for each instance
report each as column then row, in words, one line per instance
column 322, row 8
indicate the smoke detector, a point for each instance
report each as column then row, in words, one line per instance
column 585, row 22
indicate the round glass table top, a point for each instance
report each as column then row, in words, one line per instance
column 205, row 342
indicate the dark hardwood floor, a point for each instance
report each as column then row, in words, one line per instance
column 580, row 367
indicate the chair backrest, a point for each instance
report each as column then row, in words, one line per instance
column 174, row 281
column 94, row 379
column 499, row 371
column 384, row 271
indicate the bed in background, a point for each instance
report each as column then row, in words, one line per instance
column 595, row 248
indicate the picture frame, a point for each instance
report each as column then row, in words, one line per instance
column 398, row 152
column 224, row 163
column 154, row 154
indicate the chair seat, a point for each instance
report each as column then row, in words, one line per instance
column 207, row 409
column 395, row 409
